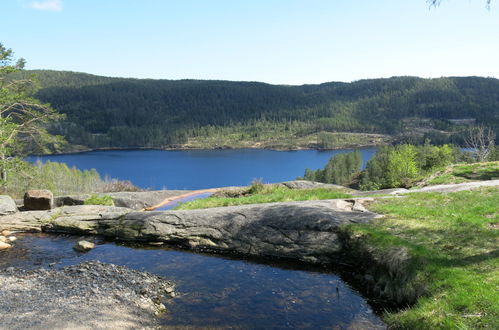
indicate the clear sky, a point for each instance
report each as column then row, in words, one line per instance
column 274, row 41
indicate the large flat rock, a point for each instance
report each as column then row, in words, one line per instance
column 299, row 230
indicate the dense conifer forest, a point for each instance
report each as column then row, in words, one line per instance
column 104, row 112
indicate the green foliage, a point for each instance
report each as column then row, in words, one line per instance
column 454, row 238
column 118, row 112
column 266, row 194
column 339, row 169
column 403, row 165
column 99, row 200
column 23, row 119
column 402, row 168
column 58, row 178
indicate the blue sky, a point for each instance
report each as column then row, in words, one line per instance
column 274, row 41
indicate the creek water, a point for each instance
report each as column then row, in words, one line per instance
column 216, row 291
column 200, row 169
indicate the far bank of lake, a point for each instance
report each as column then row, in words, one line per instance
column 200, row 169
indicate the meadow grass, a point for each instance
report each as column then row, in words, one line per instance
column 467, row 172
column 453, row 240
column 257, row 194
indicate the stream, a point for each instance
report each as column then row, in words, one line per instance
column 216, row 291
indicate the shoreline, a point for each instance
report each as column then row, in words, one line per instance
column 75, row 152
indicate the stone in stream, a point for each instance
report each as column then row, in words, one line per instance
column 38, row 200
column 83, row 246
column 4, row 246
column 7, row 205
column 6, row 233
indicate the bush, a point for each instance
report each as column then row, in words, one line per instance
column 99, row 200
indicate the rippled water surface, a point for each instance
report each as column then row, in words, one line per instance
column 217, row 291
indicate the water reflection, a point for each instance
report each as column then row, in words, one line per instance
column 217, row 291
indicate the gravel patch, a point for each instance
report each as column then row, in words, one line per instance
column 89, row 295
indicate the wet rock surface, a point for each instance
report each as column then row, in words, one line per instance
column 89, row 295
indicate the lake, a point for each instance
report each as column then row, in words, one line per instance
column 200, row 169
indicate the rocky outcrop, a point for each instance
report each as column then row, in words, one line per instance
column 457, row 186
column 133, row 200
column 304, row 184
column 7, row 205
column 299, row 230
column 38, row 200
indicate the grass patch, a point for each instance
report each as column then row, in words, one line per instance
column 454, row 240
column 260, row 193
column 466, row 172
column 99, row 200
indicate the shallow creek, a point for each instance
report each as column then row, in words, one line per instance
column 215, row 291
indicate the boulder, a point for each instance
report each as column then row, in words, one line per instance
column 83, row 246
column 6, row 233
column 38, row 200
column 7, row 205
column 4, row 246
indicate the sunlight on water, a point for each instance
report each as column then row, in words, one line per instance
column 218, row 291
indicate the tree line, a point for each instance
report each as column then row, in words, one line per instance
column 398, row 165
column 119, row 112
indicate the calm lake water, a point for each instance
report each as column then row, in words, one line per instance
column 217, row 292
column 200, row 169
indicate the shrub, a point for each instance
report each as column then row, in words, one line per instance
column 99, row 200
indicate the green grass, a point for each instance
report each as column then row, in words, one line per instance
column 99, row 200
column 259, row 193
column 466, row 173
column 453, row 242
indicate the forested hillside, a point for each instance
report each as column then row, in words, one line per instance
column 106, row 112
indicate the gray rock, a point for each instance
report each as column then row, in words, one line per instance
column 29, row 221
column 83, row 246
column 143, row 199
column 38, row 200
column 70, row 200
column 133, row 200
column 7, row 205
column 299, row 230
column 457, row 187
column 304, row 184
column 304, row 230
